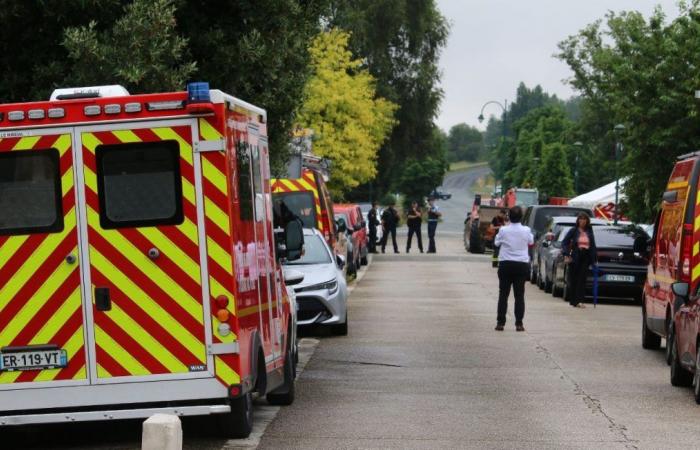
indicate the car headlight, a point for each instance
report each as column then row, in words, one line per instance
column 331, row 286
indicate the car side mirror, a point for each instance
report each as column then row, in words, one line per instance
column 293, row 240
column 681, row 290
column 340, row 260
column 292, row 277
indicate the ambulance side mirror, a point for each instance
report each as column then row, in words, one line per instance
column 294, row 240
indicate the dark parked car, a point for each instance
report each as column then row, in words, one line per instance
column 550, row 235
column 547, row 254
column 622, row 270
column 537, row 216
column 439, row 194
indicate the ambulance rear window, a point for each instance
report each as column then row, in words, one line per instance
column 300, row 203
column 30, row 192
column 139, row 184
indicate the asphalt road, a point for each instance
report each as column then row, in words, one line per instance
column 422, row 367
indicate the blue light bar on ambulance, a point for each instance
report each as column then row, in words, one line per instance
column 198, row 92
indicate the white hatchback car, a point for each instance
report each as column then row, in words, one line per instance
column 323, row 294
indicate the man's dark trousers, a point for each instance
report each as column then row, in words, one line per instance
column 512, row 273
column 432, row 226
column 389, row 231
column 411, row 231
column 372, row 239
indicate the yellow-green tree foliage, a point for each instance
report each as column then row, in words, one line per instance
column 350, row 122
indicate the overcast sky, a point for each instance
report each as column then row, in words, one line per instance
column 495, row 44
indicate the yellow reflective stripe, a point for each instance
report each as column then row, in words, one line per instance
column 90, row 141
column 146, row 340
column 67, row 181
column 117, row 352
column 219, row 255
column 59, row 318
column 73, row 346
column 228, row 375
column 148, row 305
column 43, row 252
column 37, row 301
column 213, row 174
column 175, row 253
column 188, row 191
column 81, row 374
column 126, row 136
column 10, row 247
column 63, row 143
column 289, row 186
column 697, row 223
column 696, row 272
column 216, row 215
column 149, row 268
column 207, row 131
column 252, row 310
column 696, row 249
column 102, row 372
column 26, row 143
column 170, row 134
column 9, row 377
column 677, row 184
column 306, row 185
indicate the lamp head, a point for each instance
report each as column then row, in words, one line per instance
column 619, row 128
column 480, row 118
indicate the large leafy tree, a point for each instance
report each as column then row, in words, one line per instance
column 465, row 143
column 341, row 107
column 400, row 41
column 641, row 73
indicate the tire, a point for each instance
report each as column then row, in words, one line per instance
column 548, row 284
column 239, row 422
column 650, row 340
column 284, row 395
column 341, row 329
column 556, row 290
column 669, row 331
column 475, row 243
column 679, row 376
column 696, row 377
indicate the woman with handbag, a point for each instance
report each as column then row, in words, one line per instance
column 579, row 253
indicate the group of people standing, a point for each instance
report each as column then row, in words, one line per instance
column 514, row 240
column 390, row 219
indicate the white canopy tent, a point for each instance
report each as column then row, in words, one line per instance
column 601, row 196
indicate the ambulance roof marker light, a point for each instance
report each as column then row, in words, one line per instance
column 198, row 98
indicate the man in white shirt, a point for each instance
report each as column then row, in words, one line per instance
column 513, row 241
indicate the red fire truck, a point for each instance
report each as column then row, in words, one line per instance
column 139, row 266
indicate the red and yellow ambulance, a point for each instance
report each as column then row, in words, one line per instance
column 139, row 272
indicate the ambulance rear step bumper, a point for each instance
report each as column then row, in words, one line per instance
column 118, row 414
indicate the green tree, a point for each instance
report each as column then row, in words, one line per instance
column 420, row 176
column 554, row 179
column 639, row 72
column 341, row 106
column 465, row 143
column 141, row 50
column 400, row 42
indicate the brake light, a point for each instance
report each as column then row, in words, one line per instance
column 686, row 252
column 222, row 301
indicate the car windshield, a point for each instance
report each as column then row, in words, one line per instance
column 614, row 237
column 299, row 203
column 315, row 252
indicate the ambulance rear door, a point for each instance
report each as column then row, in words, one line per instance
column 141, row 188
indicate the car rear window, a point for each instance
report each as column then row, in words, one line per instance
column 542, row 216
column 139, row 184
column 30, row 192
column 301, row 204
column 615, row 237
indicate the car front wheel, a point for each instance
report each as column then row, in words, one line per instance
column 650, row 340
column 696, row 377
column 679, row 376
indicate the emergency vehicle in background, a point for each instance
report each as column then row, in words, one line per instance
column 308, row 197
column 139, row 270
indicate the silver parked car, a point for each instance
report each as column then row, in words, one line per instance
column 323, row 294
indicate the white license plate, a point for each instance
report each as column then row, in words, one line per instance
column 33, row 360
column 622, row 278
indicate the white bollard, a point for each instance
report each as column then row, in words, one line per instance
column 162, row 432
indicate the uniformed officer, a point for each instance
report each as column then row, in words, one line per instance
column 373, row 222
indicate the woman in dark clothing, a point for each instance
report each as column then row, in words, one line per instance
column 580, row 253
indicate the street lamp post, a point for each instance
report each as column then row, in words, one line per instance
column 504, row 107
column 619, row 129
column 578, row 145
